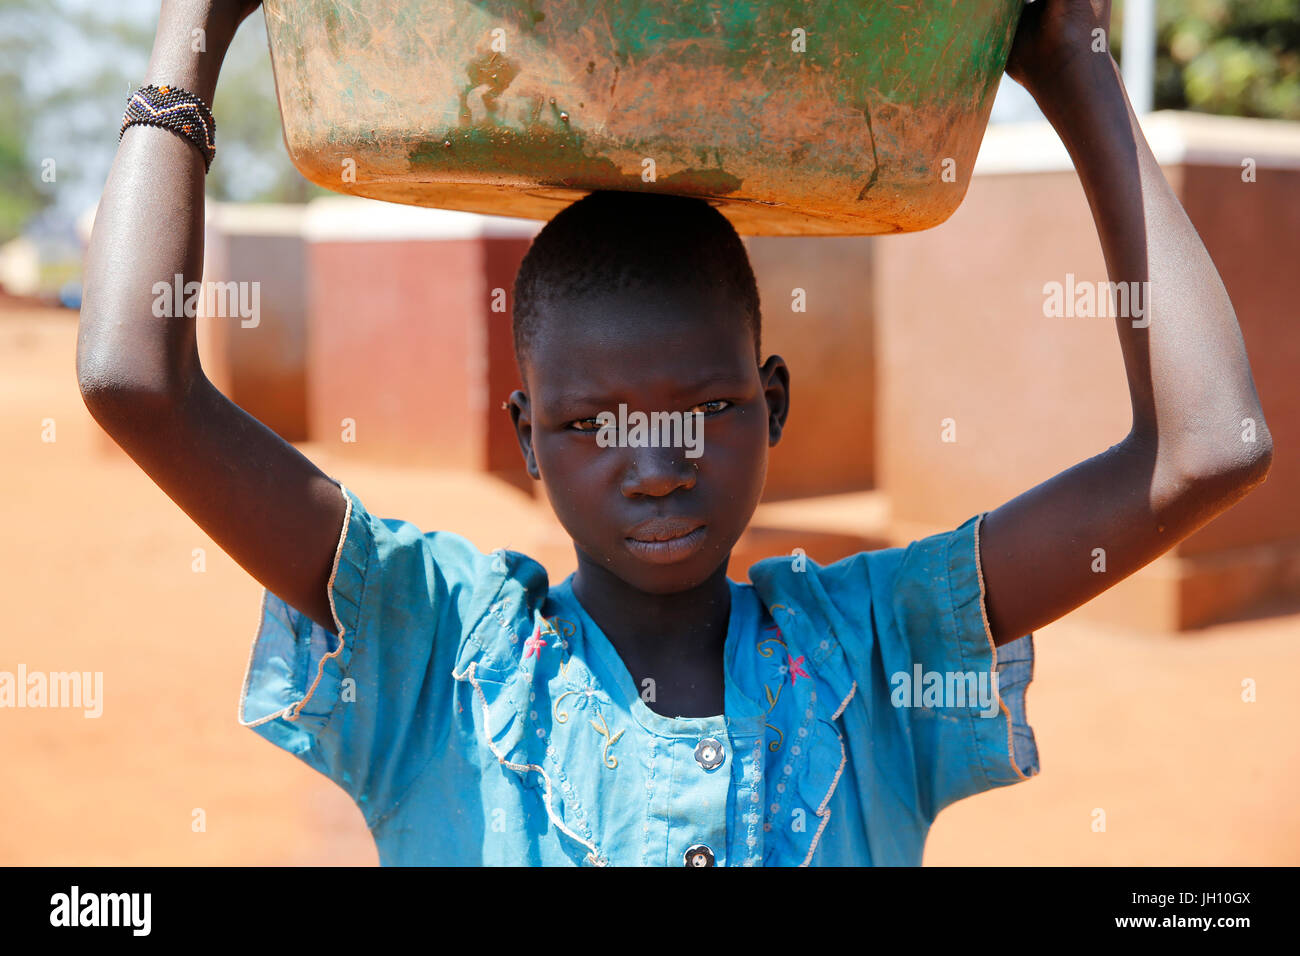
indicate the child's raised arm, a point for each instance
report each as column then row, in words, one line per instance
column 1185, row 460
column 268, row 507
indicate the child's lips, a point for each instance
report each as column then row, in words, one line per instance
column 666, row 540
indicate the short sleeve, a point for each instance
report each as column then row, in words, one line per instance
column 953, row 702
column 367, row 707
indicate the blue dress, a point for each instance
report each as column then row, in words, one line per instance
column 478, row 716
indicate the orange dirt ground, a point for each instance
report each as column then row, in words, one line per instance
column 96, row 576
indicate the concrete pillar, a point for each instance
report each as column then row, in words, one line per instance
column 408, row 359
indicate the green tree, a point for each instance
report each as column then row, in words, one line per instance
column 21, row 192
column 1233, row 57
column 73, row 115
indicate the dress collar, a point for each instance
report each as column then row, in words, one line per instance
column 740, row 709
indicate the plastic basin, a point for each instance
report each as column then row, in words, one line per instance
column 866, row 122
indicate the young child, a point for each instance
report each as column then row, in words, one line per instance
column 647, row 710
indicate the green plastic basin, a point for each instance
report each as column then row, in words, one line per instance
column 795, row 118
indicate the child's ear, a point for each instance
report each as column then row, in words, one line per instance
column 521, row 417
column 776, row 390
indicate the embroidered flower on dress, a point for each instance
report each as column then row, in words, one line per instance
column 796, row 668
column 534, row 644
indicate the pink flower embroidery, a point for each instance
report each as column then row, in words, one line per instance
column 796, row 668
column 535, row 644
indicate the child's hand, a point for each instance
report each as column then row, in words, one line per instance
column 1055, row 38
column 234, row 12
column 218, row 18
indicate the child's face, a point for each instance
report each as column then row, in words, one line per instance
column 673, row 354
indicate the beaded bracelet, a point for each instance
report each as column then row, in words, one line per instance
column 169, row 107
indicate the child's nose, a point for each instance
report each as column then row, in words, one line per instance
column 657, row 471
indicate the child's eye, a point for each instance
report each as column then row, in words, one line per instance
column 707, row 408
column 713, row 407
